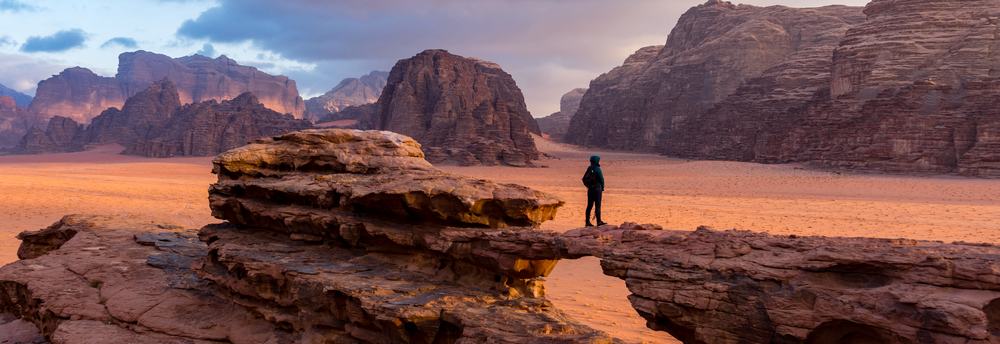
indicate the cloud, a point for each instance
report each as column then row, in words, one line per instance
column 7, row 41
column 207, row 50
column 578, row 39
column 58, row 42
column 16, row 6
column 23, row 73
column 124, row 42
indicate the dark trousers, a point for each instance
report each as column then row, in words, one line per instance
column 594, row 199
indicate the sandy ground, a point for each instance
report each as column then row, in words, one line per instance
column 36, row 191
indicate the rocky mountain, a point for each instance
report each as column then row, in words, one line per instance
column 347, row 236
column 364, row 115
column 20, row 99
column 460, row 109
column 714, row 49
column 153, row 123
column 349, row 92
column 80, row 94
column 76, row 93
column 15, row 121
column 911, row 88
column 556, row 124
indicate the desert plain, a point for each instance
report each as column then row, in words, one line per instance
column 35, row 191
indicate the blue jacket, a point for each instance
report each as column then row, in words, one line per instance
column 595, row 163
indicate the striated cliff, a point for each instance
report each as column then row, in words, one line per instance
column 349, row 92
column 153, row 123
column 199, row 78
column 80, row 94
column 555, row 125
column 15, row 121
column 76, row 93
column 714, row 49
column 460, row 109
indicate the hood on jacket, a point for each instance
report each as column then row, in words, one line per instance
column 595, row 160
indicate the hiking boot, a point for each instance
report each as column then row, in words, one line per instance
column 589, row 224
column 601, row 223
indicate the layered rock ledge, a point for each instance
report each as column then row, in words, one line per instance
column 341, row 236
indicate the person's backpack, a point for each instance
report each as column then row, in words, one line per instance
column 590, row 178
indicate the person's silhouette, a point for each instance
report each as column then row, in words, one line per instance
column 595, row 190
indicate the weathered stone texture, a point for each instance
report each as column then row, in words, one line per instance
column 714, row 49
column 460, row 109
column 349, row 92
column 15, row 121
column 76, row 93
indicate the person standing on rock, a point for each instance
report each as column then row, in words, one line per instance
column 593, row 179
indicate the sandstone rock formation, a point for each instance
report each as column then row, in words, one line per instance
column 460, row 109
column 153, row 123
column 363, row 114
column 61, row 135
column 911, row 88
column 76, row 93
column 200, row 78
column 80, row 94
column 15, row 121
column 349, row 92
column 714, row 49
column 340, row 236
column 20, row 99
column 555, row 125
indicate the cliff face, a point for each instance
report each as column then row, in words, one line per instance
column 15, row 120
column 555, row 125
column 459, row 109
column 80, row 94
column 912, row 89
column 209, row 128
column 715, row 48
column 199, row 78
column 153, row 123
column 76, row 93
column 349, row 92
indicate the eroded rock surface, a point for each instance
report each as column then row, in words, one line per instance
column 460, row 109
column 345, row 236
column 349, row 92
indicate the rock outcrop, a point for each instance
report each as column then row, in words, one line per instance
column 199, row 78
column 152, row 123
column 556, row 124
column 341, row 236
column 714, row 49
column 20, row 99
column 15, row 121
column 364, row 115
column 911, row 88
column 349, row 92
column 61, row 135
column 460, row 109
column 76, row 93
column 80, row 94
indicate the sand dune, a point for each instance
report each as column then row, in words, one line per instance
column 36, row 191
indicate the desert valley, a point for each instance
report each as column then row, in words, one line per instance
column 772, row 175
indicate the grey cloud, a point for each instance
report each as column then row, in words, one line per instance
column 15, row 6
column 58, row 42
column 574, row 41
column 124, row 42
column 23, row 73
column 7, row 41
column 207, row 50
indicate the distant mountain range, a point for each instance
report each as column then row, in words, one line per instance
column 20, row 99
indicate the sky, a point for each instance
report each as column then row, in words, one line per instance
column 549, row 46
